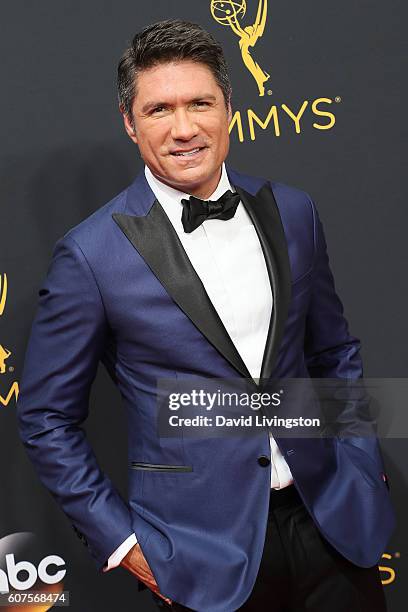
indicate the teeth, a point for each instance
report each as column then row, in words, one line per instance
column 189, row 153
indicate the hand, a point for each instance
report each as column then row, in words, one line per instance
column 136, row 563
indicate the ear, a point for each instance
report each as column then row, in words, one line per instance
column 127, row 121
column 229, row 112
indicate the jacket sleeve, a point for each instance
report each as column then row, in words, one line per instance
column 331, row 352
column 66, row 342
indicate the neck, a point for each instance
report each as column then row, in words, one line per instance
column 200, row 191
column 205, row 191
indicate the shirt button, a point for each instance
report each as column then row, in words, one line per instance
column 264, row 460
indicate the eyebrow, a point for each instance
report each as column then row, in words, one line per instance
column 152, row 104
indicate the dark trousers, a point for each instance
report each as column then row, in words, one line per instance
column 301, row 572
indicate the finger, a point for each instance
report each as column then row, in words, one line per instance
column 137, row 564
column 152, row 585
column 148, row 579
column 166, row 599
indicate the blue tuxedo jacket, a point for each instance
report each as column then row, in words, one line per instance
column 122, row 290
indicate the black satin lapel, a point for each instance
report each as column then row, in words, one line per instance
column 154, row 237
column 264, row 213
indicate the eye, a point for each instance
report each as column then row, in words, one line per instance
column 201, row 103
column 157, row 109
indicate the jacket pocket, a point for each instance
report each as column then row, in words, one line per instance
column 160, row 467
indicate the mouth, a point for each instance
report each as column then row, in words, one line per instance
column 188, row 152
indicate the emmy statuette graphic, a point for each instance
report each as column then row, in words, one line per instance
column 228, row 13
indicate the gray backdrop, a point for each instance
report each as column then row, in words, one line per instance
column 64, row 153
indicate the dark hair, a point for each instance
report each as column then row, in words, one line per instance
column 166, row 41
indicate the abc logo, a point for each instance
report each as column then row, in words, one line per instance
column 42, row 573
column 26, row 562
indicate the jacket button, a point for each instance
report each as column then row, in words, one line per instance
column 264, row 460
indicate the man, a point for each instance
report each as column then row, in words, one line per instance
column 196, row 269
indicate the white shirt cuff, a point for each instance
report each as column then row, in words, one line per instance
column 121, row 552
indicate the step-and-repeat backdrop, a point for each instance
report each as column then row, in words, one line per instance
column 323, row 111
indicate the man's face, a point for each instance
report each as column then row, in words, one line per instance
column 181, row 125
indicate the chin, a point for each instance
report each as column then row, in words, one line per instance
column 191, row 178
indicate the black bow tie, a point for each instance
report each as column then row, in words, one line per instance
column 195, row 211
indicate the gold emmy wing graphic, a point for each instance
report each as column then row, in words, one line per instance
column 3, row 292
column 5, row 398
column 228, row 13
column 4, row 354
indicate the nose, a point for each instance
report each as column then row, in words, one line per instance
column 184, row 126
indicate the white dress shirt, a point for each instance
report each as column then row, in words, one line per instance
column 228, row 258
